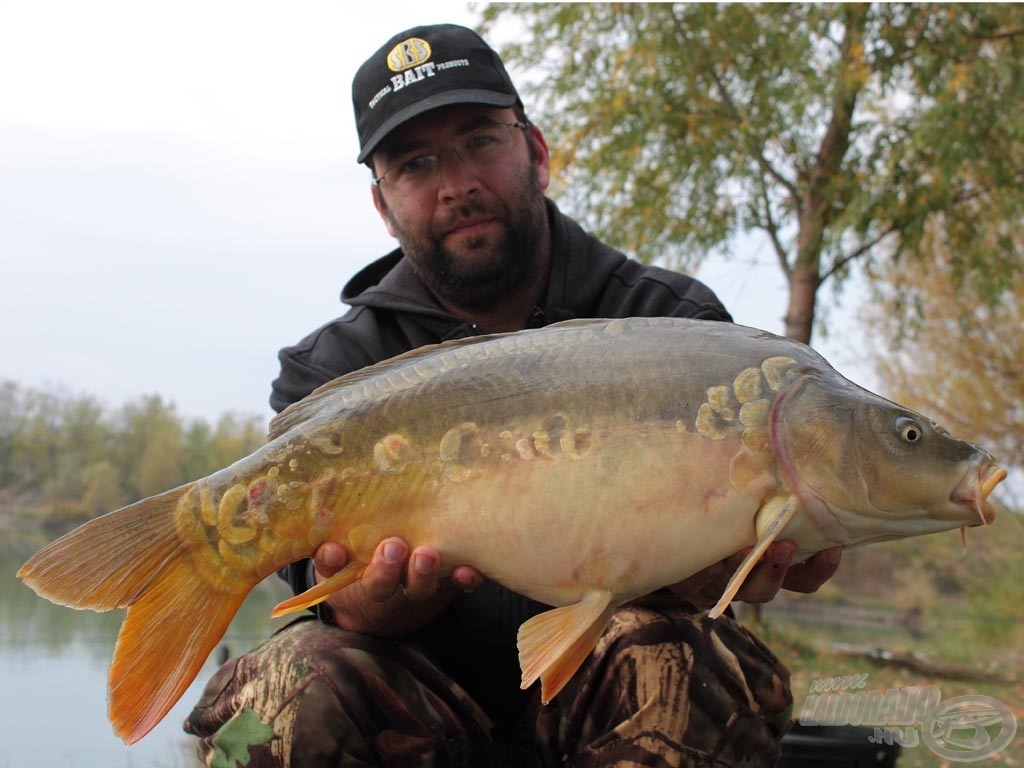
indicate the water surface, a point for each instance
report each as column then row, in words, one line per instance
column 53, row 664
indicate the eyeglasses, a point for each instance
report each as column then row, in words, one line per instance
column 477, row 149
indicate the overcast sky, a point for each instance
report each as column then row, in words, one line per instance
column 179, row 196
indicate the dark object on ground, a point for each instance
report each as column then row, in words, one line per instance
column 835, row 746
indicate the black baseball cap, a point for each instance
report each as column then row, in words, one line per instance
column 421, row 69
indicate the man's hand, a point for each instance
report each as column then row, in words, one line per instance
column 773, row 573
column 400, row 590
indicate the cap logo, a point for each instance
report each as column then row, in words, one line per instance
column 424, row 68
column 408, row 53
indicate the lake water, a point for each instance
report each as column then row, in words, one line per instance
column 53, row 674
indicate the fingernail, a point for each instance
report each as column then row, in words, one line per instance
column 393, row 552
column 833, row 556
column 423, row 564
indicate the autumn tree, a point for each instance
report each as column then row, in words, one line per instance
column 12, row 424
column 102, row 489
column 149, row 432
column 839, row 133
column 955, row 357
column 35, row 449
column 69, row 457
column 80, row 438
column 234, row 436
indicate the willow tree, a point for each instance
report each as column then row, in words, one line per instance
column 838, row 133
column 954, row 355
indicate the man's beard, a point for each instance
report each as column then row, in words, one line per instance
column 484, row 270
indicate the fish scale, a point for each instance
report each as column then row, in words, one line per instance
column 582, row 465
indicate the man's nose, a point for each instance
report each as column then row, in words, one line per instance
column 457, row 178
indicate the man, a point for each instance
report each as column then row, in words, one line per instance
column 411, row 666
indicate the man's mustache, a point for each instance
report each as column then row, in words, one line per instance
column 467, row 212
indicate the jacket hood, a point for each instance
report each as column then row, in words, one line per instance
column 390, row 282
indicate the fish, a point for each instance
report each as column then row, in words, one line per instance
column 582, row 464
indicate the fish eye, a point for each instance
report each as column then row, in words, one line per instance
column 909, row 430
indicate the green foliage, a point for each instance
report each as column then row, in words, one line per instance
column 839, row 132
column 232, row 742
column 102, row 490
column 67, row 458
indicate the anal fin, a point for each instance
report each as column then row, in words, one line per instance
column 553, row 644
column 771, row 520
column 350, row 574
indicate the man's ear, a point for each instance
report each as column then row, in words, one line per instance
column 543, row 156
column 382, row 209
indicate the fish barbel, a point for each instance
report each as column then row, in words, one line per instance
column 582, row 465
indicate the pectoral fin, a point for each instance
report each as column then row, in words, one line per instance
column 554, row 644
column 771, row 519
column 350, row 574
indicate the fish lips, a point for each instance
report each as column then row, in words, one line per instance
column 973, row 491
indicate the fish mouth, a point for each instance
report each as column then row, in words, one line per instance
column 976, row 487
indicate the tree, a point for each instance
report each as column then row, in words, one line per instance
column 69, row 457
column 31, row 433
column 840, row 133
column 162, row 463
column 102, row 489
column 148, row 446
column 955, row 357
column 82, row 439
column 199, row 450
column 12, row 423
column 236, row 435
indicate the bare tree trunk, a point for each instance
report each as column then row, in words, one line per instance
column 817, row 204
column 803, row 291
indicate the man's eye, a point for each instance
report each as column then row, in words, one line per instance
column 481, row 141
column 416, row 165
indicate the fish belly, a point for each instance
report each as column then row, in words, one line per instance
column 638, row 511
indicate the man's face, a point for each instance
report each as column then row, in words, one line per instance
column 473, row 234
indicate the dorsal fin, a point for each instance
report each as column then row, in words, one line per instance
column 311, row 406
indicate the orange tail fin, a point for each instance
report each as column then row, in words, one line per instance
column 134, row 558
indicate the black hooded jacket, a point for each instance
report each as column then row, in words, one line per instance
column 393, row 312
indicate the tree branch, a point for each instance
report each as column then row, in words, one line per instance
column 1003, row 35
column 773, row 230
column 842, row 261
column 755, row 148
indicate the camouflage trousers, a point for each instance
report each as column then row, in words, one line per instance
column 665, row 686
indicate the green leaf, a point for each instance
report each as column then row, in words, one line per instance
column 232, row 742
